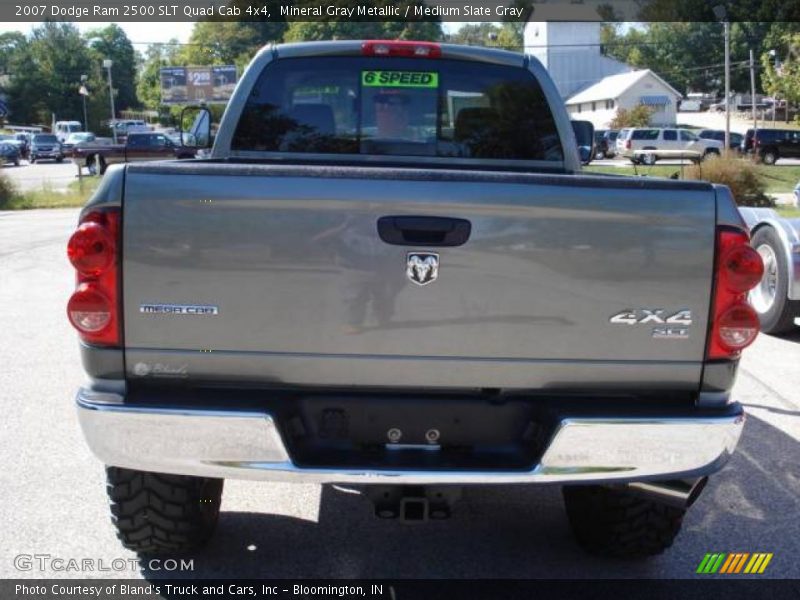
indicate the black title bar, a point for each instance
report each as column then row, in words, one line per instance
column 122, row 11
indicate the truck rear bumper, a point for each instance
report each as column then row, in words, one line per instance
column 248, row 445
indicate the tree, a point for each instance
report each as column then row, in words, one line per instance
column 784, row 81
column 111, row 43
column 476, row 34
column 229, row 42
column 504, row 35
column 25, row 86
column 148, row 85
column 689, row 55
column 638, row 116
column 46, row 77
column 341, row 28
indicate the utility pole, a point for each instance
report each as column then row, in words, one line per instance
column 753, row 88
column 727, row 25
column 107, row 63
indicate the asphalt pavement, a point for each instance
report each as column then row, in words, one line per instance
column 53, row 502
column 41, row 175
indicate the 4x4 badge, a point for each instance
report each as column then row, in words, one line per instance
column 422, row 268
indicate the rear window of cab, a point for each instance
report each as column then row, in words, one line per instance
column 398, row 107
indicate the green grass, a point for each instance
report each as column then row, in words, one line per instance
column 788, row 212
column 77, row 193
column 779, row 179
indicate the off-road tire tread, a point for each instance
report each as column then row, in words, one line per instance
column 612, row 522
column 156, row 513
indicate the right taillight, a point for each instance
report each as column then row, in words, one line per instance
column 93, row 309
column 738, row 269
column 628, row 145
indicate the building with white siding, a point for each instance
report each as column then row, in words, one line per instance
column 599, row 103
column 593, row 85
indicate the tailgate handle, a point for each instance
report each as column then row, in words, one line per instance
column 424, row 231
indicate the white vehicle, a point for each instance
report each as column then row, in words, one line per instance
column 131, row 126
column 777, row 298
column 648, row 145
column 62, row 129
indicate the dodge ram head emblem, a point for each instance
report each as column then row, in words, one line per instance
column 423, row 267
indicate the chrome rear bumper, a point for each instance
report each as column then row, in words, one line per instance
column 248, row 445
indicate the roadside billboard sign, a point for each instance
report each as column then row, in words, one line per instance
column 188, row 85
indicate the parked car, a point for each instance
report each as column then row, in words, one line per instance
column 770, row 145
column 137, row 147
column 776, row 299
column 365, row 285
column 606, row 143
column 650, row 144
column 719, row 135
column 46, row 145
column 14, row 140
column 63, row 129
column 124, row 128
column 584, row 135
column 77, row 138
column 10, row 153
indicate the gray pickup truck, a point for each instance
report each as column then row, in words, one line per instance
column 391, row 273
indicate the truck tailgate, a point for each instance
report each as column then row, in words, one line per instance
column 299, row 288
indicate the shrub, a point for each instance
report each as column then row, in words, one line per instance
column 638, row 116
column 741, row 176
column 9, row 198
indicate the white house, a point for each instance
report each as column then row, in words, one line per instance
column 599, row 103
column 593, row 85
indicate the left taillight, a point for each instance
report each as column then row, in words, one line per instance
column 93, row 309
column 738, row 269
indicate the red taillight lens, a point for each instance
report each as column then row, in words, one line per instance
column 91, row 249
column 628, row 145
column 404, row 48
column 738, row 269
column 93, row 309
column 741, row 268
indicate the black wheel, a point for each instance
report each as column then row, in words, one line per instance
column 102, row 166
column 60, row 159
column 612, row 522
column 16, row 162
column 158, row 514
column 91, row 165
column 769, row 157
column 32, row 160
column 770, row 298
column 713, row 153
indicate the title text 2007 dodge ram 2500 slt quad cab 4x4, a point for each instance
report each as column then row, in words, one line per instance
column 390, row 272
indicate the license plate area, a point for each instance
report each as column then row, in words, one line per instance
column 410, row 432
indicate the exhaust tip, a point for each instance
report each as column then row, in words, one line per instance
column 679, row 493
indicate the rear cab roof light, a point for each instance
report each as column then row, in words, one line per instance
column 404, row 48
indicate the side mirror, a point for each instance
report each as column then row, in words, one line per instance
column 195, row 127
